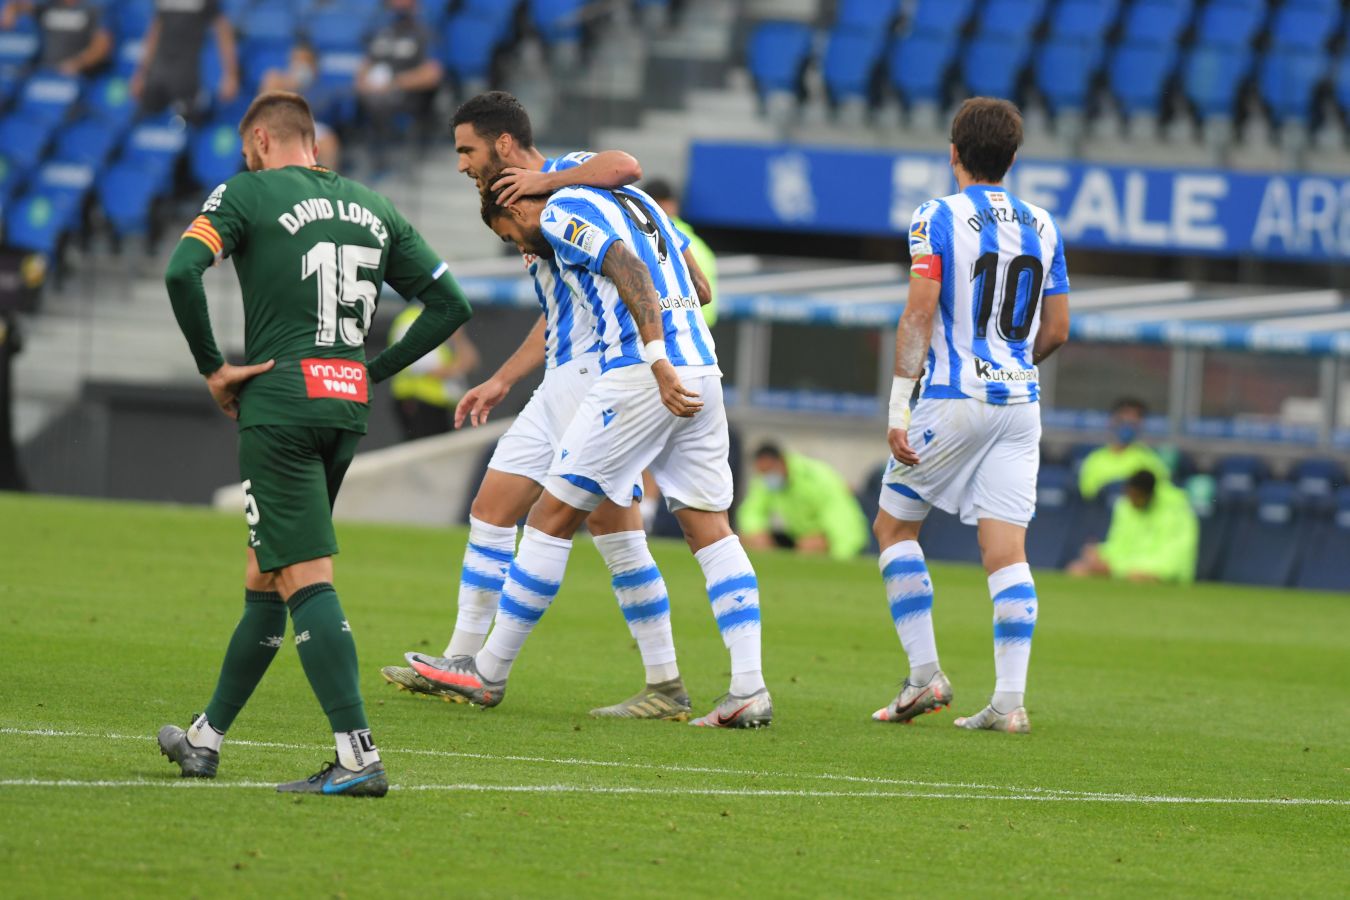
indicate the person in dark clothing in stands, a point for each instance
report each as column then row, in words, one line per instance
column 398, row 76
column 169, row 73
column 74, row 40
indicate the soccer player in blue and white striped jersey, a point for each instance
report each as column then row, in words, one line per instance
column 496, row 146
column 656, row 406
column 988, row 301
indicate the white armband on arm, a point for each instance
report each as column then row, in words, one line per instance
column 901, row 390
column 653, row 351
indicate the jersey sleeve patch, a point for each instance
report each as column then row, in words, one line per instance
column 929, row 266
column 578, row 234
column 202, row 230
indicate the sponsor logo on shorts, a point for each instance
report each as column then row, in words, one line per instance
column 928, row 436
column 608, row 416
column 335, row 379
column 985, row 371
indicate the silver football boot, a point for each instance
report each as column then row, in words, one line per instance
column 914, row 700
column 734, row 711
column 405, row 678
column 990, row 719
column 193, row 761
column 458, row 675
column 667, row 700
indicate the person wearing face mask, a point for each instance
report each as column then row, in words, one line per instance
column 798, row 502
column 398, row 77
column 1124, row 455
column 298, row 77
column 1154, row 535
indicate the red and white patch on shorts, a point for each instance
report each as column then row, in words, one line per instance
column 335, row 379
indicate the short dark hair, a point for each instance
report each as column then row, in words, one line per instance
column 1143, row 481
column 1130, row 403
column 494, row 114
column 286, row 116
column 986, row 133
column 769, row 449
column 489, row 207
column 658, row 189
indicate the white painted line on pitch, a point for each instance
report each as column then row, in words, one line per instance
column 193, row 784
column 1010, row 792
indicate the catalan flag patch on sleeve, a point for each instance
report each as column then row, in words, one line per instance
column 202, row 229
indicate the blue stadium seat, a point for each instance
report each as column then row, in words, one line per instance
column 992, row 66
column 33, row 223
column 19, row 46
column 1301, row 28
column 1086, row 20
column 1010, row 20
column 851, row 60
column 557, row 20
column 1340, row 81
column 23, row 141
column 126, row 193
column 332, row 29
column 127, row 58
column 919, row 64
column 155, row 146
column 214, row 153
column 1065, row 70
column 66, row 185
column 49, row 97
column 1138, row 73
column 236, row 10
column 877, row 15
column 504, row 8
column 1213, row 76
column 1223, row 25
column 1318, row 480
column 941, row 17
column 257, row 59
column 1053, row 531
column 270, row 22
column 469, row 42
column 1236, row 477
column 1156, row 21
column 1264, row 545
column 12, row 181
column 109, row 98
column 89, row 141
column 1288, row 81
column 132, row 19
column 333, row 96
column 778, row 52
column 1323, row 566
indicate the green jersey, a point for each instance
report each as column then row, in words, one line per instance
column 311, row 250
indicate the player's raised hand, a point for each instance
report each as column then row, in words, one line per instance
column 480, row 400
column 678, row 399
column 515, row 183
column 226, row 382
column 898, row 438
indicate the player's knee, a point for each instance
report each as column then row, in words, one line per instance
column 554, row 517
column 889, row 530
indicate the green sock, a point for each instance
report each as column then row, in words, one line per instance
column 255, row 642
column 328, row 655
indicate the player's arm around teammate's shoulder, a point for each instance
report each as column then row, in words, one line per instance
column 607, row 169
column 634, row 284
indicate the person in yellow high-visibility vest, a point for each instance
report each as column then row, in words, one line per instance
column 425, row 393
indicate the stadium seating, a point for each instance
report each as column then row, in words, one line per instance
column 89, row 141
column 992, row 65
column 851, row 60
column 1159, row 22
column 1317, row 480
column 1263, row 547
column 1288, row 82
column 1229, row 25
column 778, row 54
column 1213, row 76
column 1303, row 28
column 33, row 223
column 919, row 64
column 558, row 21
column 23, row 142
column 1082, row 20
column 214, row 154
column 1323, row 566
column 1237, row 477
column 1138, row 73
column 1013, row 21
column 1064, row 72
column 941, row 17
column 126, row 193
column 470, row 40
column 872, row 15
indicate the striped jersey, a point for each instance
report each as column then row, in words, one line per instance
column 996, row 258
column 581, row 224
column 569, row 324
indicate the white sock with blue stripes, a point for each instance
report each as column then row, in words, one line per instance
column 1014, row 595
column 641, row 592
column 733, row 590
column 909, row 591
column 531, row 584
column 486, row 559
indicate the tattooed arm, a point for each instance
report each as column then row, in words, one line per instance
column 912, row 336
column 634, row 284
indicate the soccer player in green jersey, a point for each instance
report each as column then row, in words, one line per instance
column 311, row 250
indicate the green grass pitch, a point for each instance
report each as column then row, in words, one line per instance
column 1149, row 706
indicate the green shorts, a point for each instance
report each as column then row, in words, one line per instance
column 291, row 476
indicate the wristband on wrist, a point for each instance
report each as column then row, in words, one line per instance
column 653, row 351
column 901, row 389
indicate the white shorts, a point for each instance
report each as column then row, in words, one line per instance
column 977, row 460
column 623, row 428
column 529, row 445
